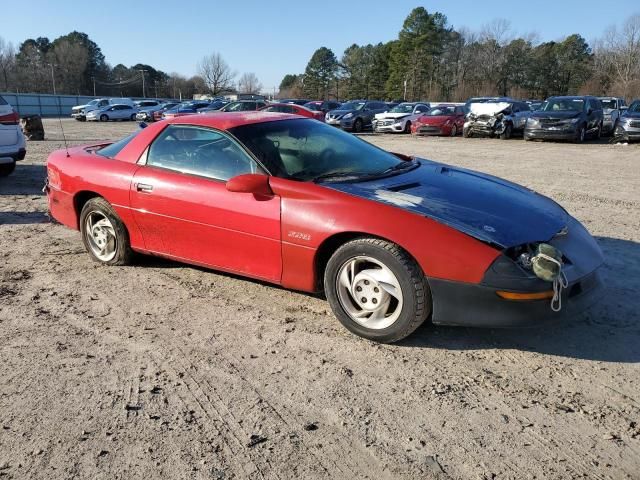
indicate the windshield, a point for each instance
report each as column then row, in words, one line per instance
column 352, row 106
column 437, row 111
column 608, row 103
column 233, row 107
column 112, row 150
column 313, row 106
column 303, row 149
column 93, row 102
column 563, row 105
column 402, row 108
column 634, row 107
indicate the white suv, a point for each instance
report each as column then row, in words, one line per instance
column 12, row 144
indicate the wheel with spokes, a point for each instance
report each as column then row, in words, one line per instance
column 104, row 235
column 377, row 290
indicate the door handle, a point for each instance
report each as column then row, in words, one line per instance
column 143, row 187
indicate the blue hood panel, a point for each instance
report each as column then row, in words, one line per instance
column 485, row 207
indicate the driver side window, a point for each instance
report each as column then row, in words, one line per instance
column 199, row 151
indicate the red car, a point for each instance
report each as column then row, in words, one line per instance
column 444, row 120
column 392, row 240
column 293, row 108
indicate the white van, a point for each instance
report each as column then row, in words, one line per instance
column 79, row 112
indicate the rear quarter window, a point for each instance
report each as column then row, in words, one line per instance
column 2, row 101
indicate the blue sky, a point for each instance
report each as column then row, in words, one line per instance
column 272, row 38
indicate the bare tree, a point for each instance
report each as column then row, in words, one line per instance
column 249, row 83
column 7, row 61
column 70, row 61
column 216, row 73
column 622, row 53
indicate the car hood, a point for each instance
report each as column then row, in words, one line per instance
column 488, row 208
column 341, row 112
column 380, row 116
column 435, row 119
column 491, row 109
column 631, row 115
column 556, row 115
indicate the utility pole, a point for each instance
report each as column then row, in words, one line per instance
column 405, row 90
column 94, row 85
column 141, row 70
column 53, row 78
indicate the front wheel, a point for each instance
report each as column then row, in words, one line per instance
column 580, row 134
column 357, row 125
column 7, row 169
column 133, row 117
column 377, row 290
column 466, row 132
column 104, row 118
column 104, row 235
column 454, row 130
column 407, row 127
column 506, row 134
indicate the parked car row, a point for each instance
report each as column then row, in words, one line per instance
column 574, row 118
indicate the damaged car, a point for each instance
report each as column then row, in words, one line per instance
column 503, row 119
column 392, row 240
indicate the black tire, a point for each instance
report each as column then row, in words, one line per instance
column 357, row 125
column 124, row 254
column 580, row 134
column 466, row 133
column 407, row 127
column 104, row 118
column 133, row 117
column 508, row 132
column 7, row 169
column 415, row 290
column 599, row 132
column 454, row 131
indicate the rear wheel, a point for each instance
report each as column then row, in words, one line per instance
column 377, row 290
column 357, row 125
column 7, row 169
column 104, row 118
column 104, row 235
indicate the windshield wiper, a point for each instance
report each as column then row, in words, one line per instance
column 326, row 176
column 404, row 165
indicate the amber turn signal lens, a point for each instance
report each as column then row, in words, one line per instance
column 525, row 296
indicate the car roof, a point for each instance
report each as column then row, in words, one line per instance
column 227, row 120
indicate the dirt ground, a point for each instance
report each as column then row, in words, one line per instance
column 168, row 371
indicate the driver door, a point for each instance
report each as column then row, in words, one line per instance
column 184, row 210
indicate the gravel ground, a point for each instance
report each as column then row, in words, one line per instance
column 168, row 371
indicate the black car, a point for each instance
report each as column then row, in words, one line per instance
column 566, row 118
column 322, row 106
column 355, row 115
column 628, row 127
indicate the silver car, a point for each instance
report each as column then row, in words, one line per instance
column 113, row 112
column 612, row 110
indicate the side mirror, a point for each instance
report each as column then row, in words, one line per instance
column 250, row 183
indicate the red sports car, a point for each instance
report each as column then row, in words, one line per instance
column 392, row 240
column 447, row 120
column 295, row 109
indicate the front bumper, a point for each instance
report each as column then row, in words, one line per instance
column 431, row 130
column 384, row 126
column 482, row 128
column 144, row 117
column 469, row 305
column 549, row 134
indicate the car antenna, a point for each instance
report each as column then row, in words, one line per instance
column 64, row 138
